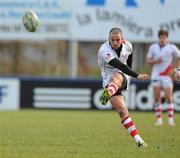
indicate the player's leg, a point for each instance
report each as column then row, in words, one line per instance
column 157, row 102
column 168, row 91
column 170, row 105
column 116, row 81
column 118, row 103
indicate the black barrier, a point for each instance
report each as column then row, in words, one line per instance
column 84, row 94
column 58, row 93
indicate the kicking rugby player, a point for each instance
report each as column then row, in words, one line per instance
column 115, row 62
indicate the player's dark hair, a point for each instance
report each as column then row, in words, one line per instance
column 115, row 30
column 163, row 32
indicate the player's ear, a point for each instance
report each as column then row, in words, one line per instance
column 123, row 40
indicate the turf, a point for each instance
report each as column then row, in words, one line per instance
column 83, row 134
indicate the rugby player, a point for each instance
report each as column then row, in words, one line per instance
column 115, row 62
column 160, row 56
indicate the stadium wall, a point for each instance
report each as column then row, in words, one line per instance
column 48, row 93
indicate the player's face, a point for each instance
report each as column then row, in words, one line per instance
column 115, row 40
column 163, row 40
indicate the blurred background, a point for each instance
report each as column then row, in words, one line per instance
column 64, row 49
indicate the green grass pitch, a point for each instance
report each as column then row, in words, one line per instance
column 84, row 134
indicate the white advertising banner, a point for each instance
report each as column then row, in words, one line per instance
column 55, row 17
column 140, row 20
column 9, row 94
column 90, row 20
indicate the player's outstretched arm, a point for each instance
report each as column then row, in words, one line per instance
column 151, row 61
column 123, row 67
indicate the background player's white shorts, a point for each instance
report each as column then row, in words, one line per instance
column 162, row 81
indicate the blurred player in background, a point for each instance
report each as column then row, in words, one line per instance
column 115, row 62
column 160, row 56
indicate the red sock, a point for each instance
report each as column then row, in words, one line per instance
column 131, row 128
column 112, row 89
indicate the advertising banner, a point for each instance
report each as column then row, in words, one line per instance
column 140, row 20
column 55, row 18
column 90, row 20
column 58, row 93
column 86, row 94
column 9, row 94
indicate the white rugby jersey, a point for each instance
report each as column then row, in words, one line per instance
column 166, row 54
column 106, row 54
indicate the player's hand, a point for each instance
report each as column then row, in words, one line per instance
column 143, row 77
column 158, row 61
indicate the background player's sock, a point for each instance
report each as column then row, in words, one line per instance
column 170, row 112
column 131, row 128
column 158, row 112
column 112, row 89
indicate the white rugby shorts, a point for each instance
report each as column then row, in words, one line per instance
column 162, row 81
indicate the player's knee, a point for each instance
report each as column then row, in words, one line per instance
column 157, row 98
column 121, row 109
column 123, row 113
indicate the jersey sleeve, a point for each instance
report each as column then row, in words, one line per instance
column 176, row 51
column 150, row 52
column 106, row 55
column 129, row 46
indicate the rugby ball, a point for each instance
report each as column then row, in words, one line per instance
column 30, row 21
